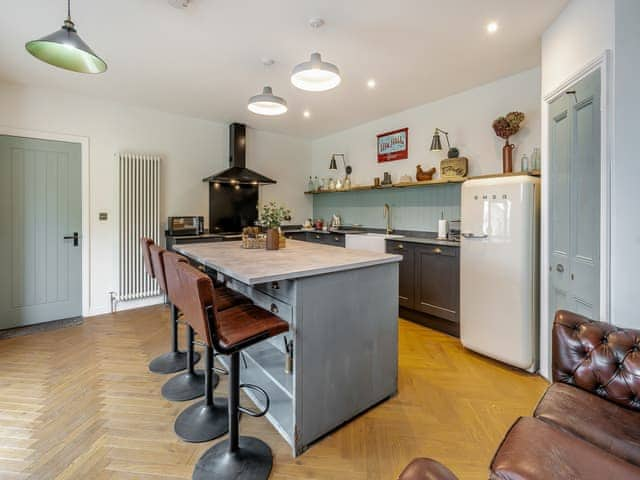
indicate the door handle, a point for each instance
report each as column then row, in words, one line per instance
column 473, row 235
column 560, row 268
column 73, row 237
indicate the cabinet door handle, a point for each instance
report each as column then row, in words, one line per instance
column 437, row 251
column 274, row 308
column 337, row 239
column 73, row 237
column 560, row 268
column 317, row 236
column 400, row 246
column 275, row 285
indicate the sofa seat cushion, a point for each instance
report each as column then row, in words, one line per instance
column 605, row 424
column 537, row 450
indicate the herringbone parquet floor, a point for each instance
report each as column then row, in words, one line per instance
column 79, row 403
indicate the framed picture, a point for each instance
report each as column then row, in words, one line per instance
column 393, row 145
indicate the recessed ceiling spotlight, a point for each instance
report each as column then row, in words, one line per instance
column 492, row 27
column 306, row 114
column 180, row 4
column 371, row 83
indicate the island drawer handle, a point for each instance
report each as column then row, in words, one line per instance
column 437, row 250
column 275, row 285
column 400, row 246
column 274, row 308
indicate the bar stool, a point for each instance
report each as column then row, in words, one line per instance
column 230, row 331
column 191, row 384
column 175, row 360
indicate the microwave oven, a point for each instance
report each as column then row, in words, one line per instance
column 192, row 225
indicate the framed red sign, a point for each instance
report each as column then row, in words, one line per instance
column 393, row 145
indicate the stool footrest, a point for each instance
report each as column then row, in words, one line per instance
column 253, row 413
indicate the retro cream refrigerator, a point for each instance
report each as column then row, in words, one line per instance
column 499, row 275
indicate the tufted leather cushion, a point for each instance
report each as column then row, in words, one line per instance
column 535, row 450
column 598, row 358
column 145, row 243
column 426, row 469
column 609, row 426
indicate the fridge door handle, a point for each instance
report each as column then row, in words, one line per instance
column 473, row 235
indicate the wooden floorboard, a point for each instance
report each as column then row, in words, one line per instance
column 79, row 403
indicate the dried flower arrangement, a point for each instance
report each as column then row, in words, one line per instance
column 506, row 127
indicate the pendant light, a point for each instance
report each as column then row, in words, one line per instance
column 65, row 49
column 266, row 103
column 316, row 75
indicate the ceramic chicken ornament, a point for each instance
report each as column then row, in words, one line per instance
column 422, row 176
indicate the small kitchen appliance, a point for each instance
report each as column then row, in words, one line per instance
column 181, row 226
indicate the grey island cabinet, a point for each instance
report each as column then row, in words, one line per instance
column 342, row 308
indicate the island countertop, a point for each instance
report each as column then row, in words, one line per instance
column 297, row 260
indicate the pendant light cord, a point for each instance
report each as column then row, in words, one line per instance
column 69, row 9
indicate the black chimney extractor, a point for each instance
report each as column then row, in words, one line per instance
column 238, row 173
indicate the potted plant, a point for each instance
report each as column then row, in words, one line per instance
column 271, row 217
column 506, row 127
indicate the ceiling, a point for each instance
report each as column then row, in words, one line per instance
column 205, row 61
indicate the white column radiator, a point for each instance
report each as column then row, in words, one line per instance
column 139, row 216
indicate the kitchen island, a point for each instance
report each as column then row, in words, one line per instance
column 342, row 308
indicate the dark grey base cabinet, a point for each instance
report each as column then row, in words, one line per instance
column 335, row 239
column 429, row 279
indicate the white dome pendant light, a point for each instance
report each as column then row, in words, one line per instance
column 316, row 75
column 266, row 103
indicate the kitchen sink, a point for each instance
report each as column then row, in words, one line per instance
column 374, row 242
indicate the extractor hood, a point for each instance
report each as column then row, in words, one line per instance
column 238, row 173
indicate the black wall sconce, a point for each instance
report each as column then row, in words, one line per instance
column 436, row 144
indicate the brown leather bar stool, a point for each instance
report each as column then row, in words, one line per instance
column 175, row 360
column 230, row 331
column 190, row 384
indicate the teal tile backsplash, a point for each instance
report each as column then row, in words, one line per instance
column 412, row 208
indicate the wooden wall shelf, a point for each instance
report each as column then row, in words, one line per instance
column 358, row 188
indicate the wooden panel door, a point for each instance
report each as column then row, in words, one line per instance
column 575, row 200
column 406, row 273
column 40, row 193
column 437, row 284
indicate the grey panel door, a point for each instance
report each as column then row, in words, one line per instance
column 575, row 199
column 40, row 205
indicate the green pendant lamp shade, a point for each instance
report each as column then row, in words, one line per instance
column 65, row 49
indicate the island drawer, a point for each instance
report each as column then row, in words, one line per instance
column 282, row 289
column 276, row 306
column 273, row 305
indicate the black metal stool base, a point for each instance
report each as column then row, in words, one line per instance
column 186, row 386
column 201, row 422
column 171, row 362
column 252, row 461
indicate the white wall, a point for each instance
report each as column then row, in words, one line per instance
column 191, row 150
column 625, row 227
column 467, row 117
column 581, row 32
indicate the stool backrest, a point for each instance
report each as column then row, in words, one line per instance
column 157, row 263
column 171, row 261
column 198, row 298
column 145, row 243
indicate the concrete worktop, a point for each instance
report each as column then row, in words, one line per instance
column 297, row 260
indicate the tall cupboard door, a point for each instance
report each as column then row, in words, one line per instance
column 574, row 270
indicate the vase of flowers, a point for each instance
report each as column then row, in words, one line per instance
column 505, row 127
column 271, row 217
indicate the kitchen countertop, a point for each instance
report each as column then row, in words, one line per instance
column 298, row 259
column 409, row 237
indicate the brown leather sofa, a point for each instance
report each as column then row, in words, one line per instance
column 587, row 425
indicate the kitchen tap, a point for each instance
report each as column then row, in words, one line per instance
column 386, row 212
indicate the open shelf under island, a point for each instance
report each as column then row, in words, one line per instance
column 342, row 308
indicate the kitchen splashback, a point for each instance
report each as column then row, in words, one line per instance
column 412, row 208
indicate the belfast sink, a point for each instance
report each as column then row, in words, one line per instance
column 374, row 242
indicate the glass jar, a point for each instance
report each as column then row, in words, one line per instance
column 524, row 163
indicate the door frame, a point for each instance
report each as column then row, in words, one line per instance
column 602, row 63
column 85, row 185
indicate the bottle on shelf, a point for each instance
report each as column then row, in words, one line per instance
column 535, row 159
column 524, row 163
column 310, row 185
